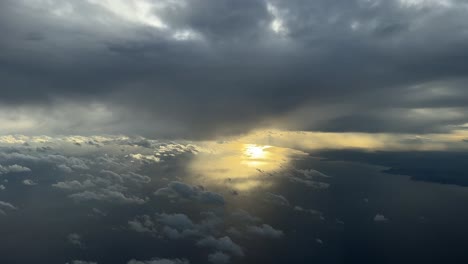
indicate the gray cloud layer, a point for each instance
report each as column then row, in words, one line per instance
column 206, row 67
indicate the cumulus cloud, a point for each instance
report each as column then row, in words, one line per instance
column 98, row 212
column 265, row 230
column 184, row 191
column 178, row 221
column 13, row 168
column 106, row 195
column 175, row 226
column 39, row 157
column 74, row 185
column 142, row 224
column 244, row 216
column 310, row 178
column 380, row 218
column 104, row 185
column 129, row 177
column 81, row 262
column 64, row 168
column 277, row 199
column 75, row 239
column 209, row 231
column 311, row 173
column 159, row 261
column 219, row 258
column 6, row 206
column 312, row 184
column 224, row 244
column 310, row 211
column 29, row 182
column 142, row 157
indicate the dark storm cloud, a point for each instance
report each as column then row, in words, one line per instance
column 201, row 68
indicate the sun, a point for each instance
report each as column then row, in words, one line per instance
column 254, row 151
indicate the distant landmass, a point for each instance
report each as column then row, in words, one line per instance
column 431, row 166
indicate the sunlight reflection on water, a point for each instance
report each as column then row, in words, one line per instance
column 242, row 166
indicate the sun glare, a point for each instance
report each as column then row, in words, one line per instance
column 242, row 166
column 254, row 151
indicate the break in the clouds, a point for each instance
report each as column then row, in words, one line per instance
column 207, row 67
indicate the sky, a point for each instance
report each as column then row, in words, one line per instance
column 233, row 131
column 204, row 69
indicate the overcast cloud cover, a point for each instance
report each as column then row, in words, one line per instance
column 200, row 69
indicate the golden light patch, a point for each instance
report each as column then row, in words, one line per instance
column 247, row 162
column 240, row 166
column 254, row 151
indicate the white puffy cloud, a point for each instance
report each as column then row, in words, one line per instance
column 74, row 185
column 312, row 184
column 244, row 216
column 81, row 262
column 62, row 162
column 29, row 182
column 277, row 199
column 265, row 230
column 142, row 224
column 6, row 206
column 105, row 186
column 179, row 221
column 219, row 258
column 311, row 173
column 106, row 195
column 142, row 157
column 127, row 177
column 310, row 178
column 98, row 212
column 309, row 211
column 13, row 168
column 224, row 244
column 184, row 191
column 159, row 261
column 427, row 3
column 380, row 218
column 75, row 239
column 172, row 226
column 64, row 168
